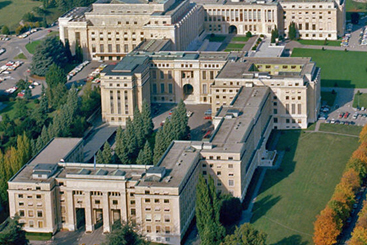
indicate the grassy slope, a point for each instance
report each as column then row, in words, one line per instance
column 319, row 42
column 31, row 47
column 361, row 100
column 343, row 129
column 343, row 68
column 12, row 11
column 291, row 197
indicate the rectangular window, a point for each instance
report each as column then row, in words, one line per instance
column 118, row 48
column 169, row 74
column 161, row 74
column 110, row 48
column 101, row 48
column 170, row 88
column 211, row 74
column 230, row 182
column 126, row 48
column 299, row 109
column 293, row 108
column 204, row 75
column 286, row 108
column 162, row 87
column 39, row 214
column 154, row 88
column 205, row 89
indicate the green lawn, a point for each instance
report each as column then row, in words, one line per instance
column 31, row 47
column 38, row 236
column 10, row 110
column 338, row 68
column 240, row 39
column 235, row 45
column 20, row 56
column 12, row 11
column 343, row 129
column 292, row 196
column 352, row 6
column 360, row 100
column 328, row 97
column 320, row 42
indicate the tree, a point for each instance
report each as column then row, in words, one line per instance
column 145, row 156
column 21, row 84
column 56, row 90
column 327, row 227
column 123, row 234
column 138, row 128
column 272, row 39
column 12, row 233
column 49, row 51
column 5, row 30
column 248, row 34
column 130, row 139
column 230, row 210
column 20, row 108
column 105, row 156
column 27, row 93
column 68, row 51
column 121, row 154
column 159, row 147
column 207, row 212
column 245, row 234
column 147, row 119
column 29, row 17
column 78, row 53
column 292, row 31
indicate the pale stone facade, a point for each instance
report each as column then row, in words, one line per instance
column 160, row 199
column 108, row 30
column 211, row 78
column 317, row 20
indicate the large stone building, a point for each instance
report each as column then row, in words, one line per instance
column 108, row 30
column 211, row 78
column 54, row 191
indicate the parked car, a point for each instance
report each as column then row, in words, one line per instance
column 208, row 112
column 207, row 117
column 189, row 113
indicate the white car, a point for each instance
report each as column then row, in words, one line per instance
column 189, row 113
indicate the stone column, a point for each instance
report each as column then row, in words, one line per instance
column 106, row 213
column 70, row 210
column 124, row 209
column 89, row 227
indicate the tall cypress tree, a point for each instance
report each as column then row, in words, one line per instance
column 121, row 152
column 145, row 155
column 147, row 119
column 130, row 139
column 159, row 146
column 107, row 153
column 208, row 212
column 138, row 128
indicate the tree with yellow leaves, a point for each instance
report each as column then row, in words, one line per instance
column 327, row 227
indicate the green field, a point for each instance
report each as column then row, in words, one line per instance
column 31, row 47
column 338, row 68
column 343, row 129
column 20, row 56
column 320, row 42
column 352, row 6
column 10, row 108
column 360, row 100
column 328, row 97
column 240, row 39
column 292, row 196
column 12, row 11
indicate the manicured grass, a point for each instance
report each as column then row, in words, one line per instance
column 343, row 129
column 38, row 236
column 20, row 56
column 292, row 196
column 31, row 47
column 53, row 33
column 320, row 42
column 235, row 45
column 10, row 108
column 240, row 39
column 328, row 97
column 12, row 11
column 360, row 100
column 340, row 68
column 216, row 38
column 352, row 6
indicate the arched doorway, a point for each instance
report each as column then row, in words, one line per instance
column 187, row 90
column 232, row 30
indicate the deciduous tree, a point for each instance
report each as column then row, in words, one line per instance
column 327, row 228
column 245, row 234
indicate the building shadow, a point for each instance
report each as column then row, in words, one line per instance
column 291, row 240
column 262, row 206
column 3, row 4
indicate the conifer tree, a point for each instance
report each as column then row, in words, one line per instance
column 107, row 153
column 12, row 233
column 145, row 155
column 121, row 152
column 159, row 146
column 130, row 139
column 147, row 119
column 138, row 128
column 208, row 213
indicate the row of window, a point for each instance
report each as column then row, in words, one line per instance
column 313, row 6
column 38, row 196
column 110, row 49
column 158, row 229
column 275, row 119
column 162, row 88
column 31, row 213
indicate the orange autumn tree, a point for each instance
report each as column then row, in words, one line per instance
column 361, row 152
column 327, row 227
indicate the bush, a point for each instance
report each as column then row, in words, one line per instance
column 248, row 34
column 5, row 30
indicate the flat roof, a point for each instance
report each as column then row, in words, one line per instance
column 153, row 45
column 56, row 150
column 177, row 161
column 241, row 69
column 232, row 131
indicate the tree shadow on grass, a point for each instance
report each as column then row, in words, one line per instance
column 291, row 240
column 262, row 206
column 5, row 3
